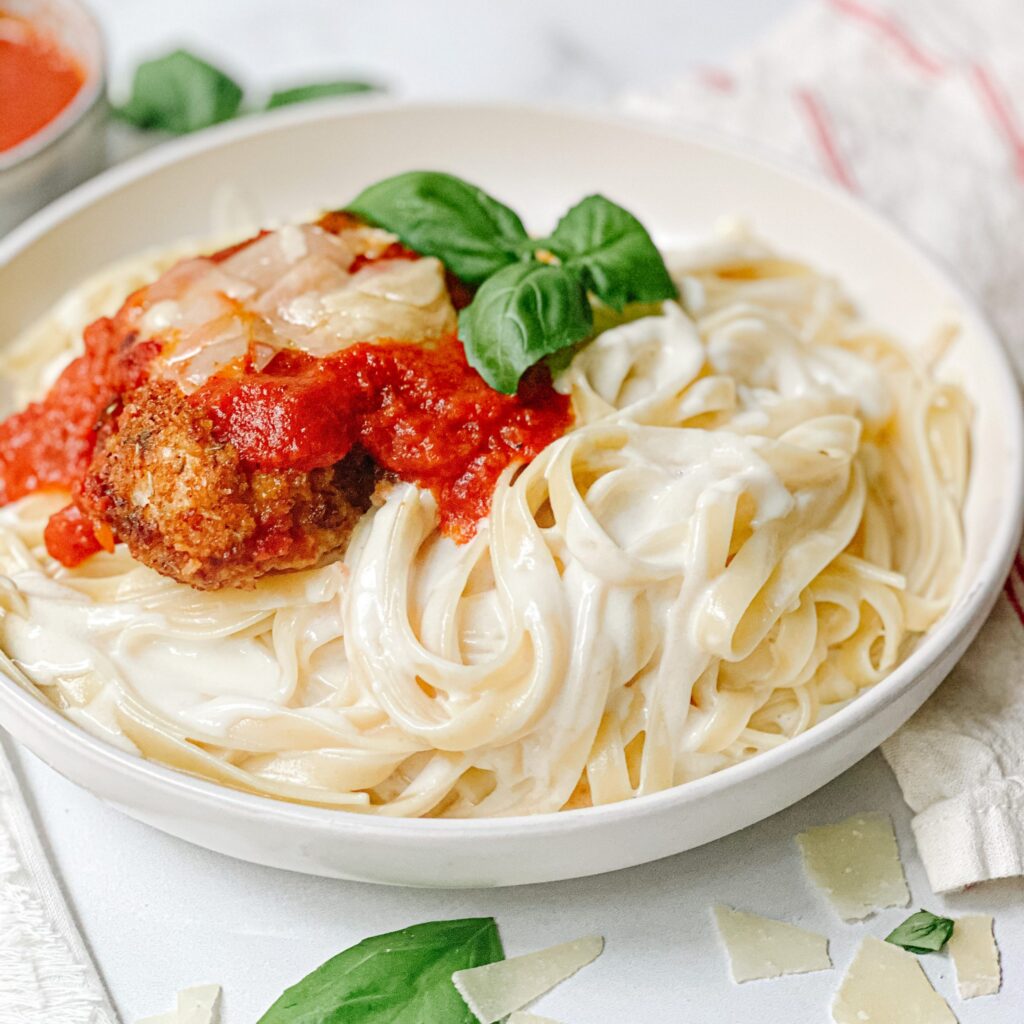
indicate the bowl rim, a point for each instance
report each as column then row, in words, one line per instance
column 949, row 637
column 89, row 96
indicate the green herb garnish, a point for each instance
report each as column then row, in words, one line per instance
column 404, row 977
column 521, row 314
column 441, row 215
column 528, row 305
column 180, row 93
column 317, row 91
column 922, row 932
column 613, row 253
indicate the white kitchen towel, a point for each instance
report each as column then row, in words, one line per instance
column 46, row 973
column 918, row 106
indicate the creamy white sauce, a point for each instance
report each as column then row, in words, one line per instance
column 674, row 570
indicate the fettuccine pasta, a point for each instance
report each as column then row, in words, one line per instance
column 755, row 513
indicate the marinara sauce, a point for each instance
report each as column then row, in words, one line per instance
column 37, row 80
column 420, row 411
column 50, row 443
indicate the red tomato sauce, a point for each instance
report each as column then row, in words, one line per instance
column 71, row 538
column 37, row 80
column 422, row 413
column 50, row 443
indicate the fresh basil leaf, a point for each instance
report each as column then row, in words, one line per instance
column 922, row 932
column 441, row 215
column 612, row 249
column 180, row 93
column 317, row 91
column 404, row 977
column 521, row 314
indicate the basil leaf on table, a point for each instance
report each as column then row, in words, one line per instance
column 404, row 977
column 440, row 215
column 180, row 93
column 519, row 315
column 317, row 91
column 922, row 932
column 613, row 251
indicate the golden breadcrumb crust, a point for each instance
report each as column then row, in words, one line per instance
column 186, row 504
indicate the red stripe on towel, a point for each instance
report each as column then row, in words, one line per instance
column 1001, row 112
column 718, row 79
column 893, row 31
column 824, row 137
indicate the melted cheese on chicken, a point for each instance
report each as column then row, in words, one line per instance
column 292, row 288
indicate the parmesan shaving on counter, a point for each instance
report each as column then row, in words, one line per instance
column 195, row 1005
column 975, row 956
column 493, row 991
column 884, row 985
column 529, row 1018
column 759, row 947
column 857, row 864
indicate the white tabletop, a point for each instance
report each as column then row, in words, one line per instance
column 159, row 914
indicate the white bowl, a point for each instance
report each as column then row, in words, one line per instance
column 540, row 161
column 73, row 146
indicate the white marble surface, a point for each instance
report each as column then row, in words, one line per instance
column 586, row 50
column 160, row 914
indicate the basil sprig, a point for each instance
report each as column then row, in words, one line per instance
column 403, row 977
column 441, row 215
column 922, row 932
column 182, row 93
column 521, row 314
column 612, row 252
column 528, row 306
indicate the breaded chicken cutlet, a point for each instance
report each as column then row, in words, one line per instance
column 186, row 505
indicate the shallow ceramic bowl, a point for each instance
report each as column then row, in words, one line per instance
column 71, row 147
column 540, row 162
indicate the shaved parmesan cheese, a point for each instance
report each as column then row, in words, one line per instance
column 529, row 1018
column 405, row 299
column 292, row 242
column 857, row 863
column 885, row 985
column 759, row 947
column 196, row 1005
column 975, row 956
column 493, row 991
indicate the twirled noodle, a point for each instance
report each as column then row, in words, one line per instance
column 756, row 512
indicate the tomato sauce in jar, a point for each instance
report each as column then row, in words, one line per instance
column 37, row 80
